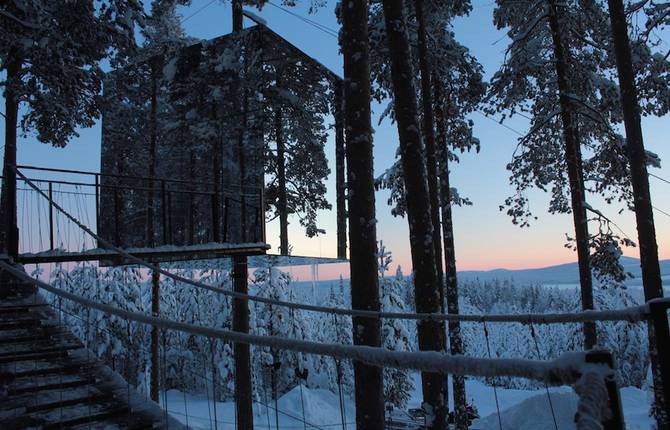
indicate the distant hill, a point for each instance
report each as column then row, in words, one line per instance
column 561, row 274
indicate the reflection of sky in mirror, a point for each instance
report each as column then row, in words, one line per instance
column 485, row 237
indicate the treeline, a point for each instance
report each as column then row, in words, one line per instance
column 193, row 362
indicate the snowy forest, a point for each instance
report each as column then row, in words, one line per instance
column 240, row 126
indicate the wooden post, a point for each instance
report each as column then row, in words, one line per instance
column 243, row 401
column 615, row 421
column 155, row 357
column 340, row 185
column 51, row 216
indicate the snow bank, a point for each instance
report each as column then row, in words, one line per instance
column 534, row 413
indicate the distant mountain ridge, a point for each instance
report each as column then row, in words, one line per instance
column 557, row 275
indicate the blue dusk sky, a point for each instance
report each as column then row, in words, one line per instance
column 485, row 237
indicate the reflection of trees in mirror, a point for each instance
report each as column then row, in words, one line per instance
column 209, row 113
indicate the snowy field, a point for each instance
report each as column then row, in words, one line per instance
column 520, row 409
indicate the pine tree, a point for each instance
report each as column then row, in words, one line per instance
column 431, row 334
column 51, row 53
column 651, row 274
column 554, row 73
column 297, row 167
column 362, row 220
column 398, row 384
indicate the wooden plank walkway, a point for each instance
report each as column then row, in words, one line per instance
column 48, row 379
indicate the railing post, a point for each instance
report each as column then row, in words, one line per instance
column 659, row 321
column 243, row 389
column 261, row 211
column 615, row 421
column 243, row 218
column 225, row 220
column 164, row 207
column 97, row 203
column 169, row 208
column 216, row 231
column 51, row 216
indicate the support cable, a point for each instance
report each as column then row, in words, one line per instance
column 546, row 386
column 495, row 389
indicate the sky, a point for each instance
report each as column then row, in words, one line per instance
column 485, row 237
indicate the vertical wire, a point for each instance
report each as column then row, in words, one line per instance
column 60, row 374
column 185, row 406
column 267, row 409
column 212, row 343
column 38, row 203
column 88, row 359
column 495, row 390
column 338, row 370
column 164, row 371
column 546, row 386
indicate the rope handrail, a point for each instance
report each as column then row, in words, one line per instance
column 564, row 370
column 631, row 314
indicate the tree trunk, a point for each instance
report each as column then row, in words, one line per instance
column 455, row 340
column 429, row 138
column 10, row 242
column 340, row 185
column 282, row 201
column 573, row 158
column 646, row 231
column 426, row 284
column 362, row 223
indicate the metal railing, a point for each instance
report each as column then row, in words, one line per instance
column 154, row 211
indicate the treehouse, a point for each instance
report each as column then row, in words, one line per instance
column 201, row 144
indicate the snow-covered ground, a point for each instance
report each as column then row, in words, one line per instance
column 520, row 409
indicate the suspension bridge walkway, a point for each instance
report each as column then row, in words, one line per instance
column 50, row 380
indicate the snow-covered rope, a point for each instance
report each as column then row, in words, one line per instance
column 631, row 314
column 564, row 370
column 593, row 406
